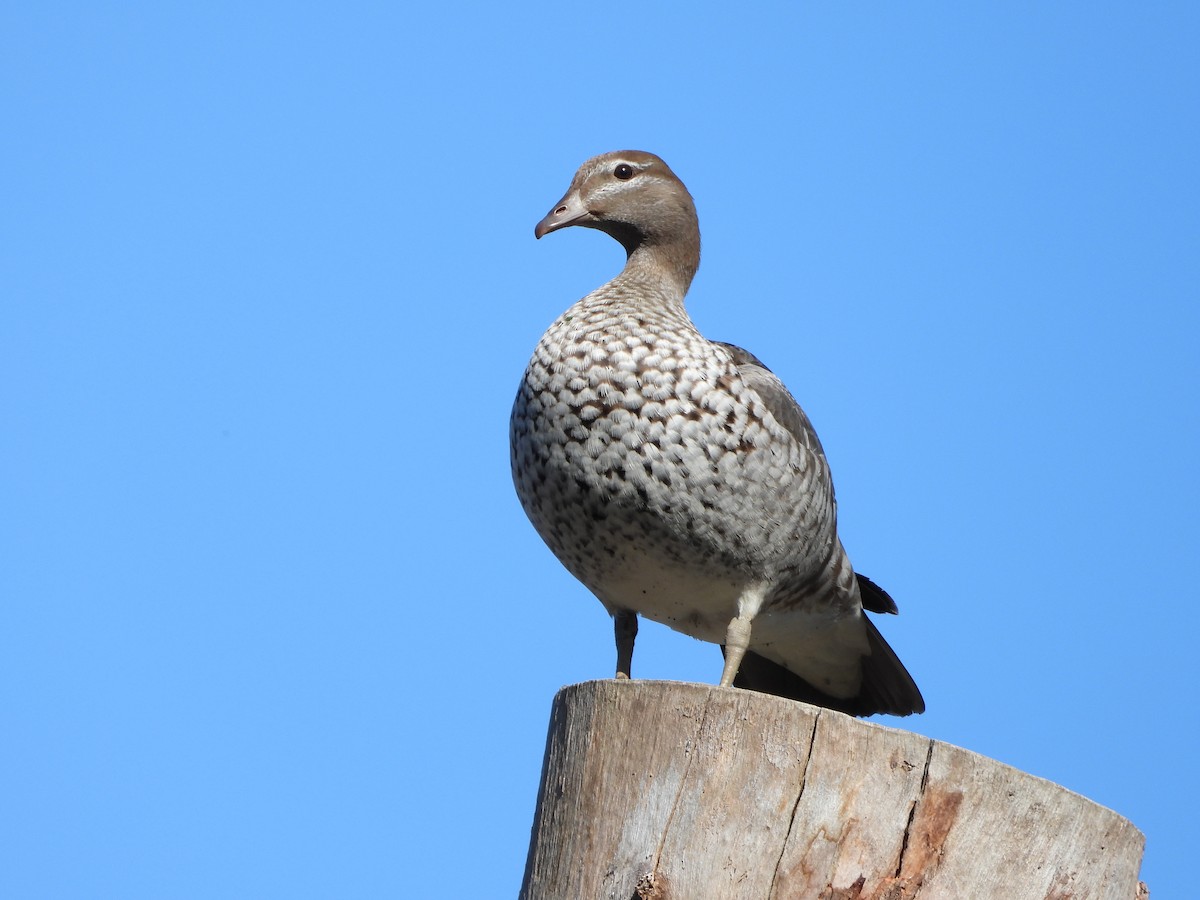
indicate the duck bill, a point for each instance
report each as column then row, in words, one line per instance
column 567, row 211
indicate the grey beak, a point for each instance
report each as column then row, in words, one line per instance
column 567, row 211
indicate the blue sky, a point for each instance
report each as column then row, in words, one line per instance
column 273, row 623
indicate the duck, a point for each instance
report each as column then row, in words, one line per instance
column 678, row 479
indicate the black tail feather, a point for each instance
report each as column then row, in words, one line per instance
column 875, row 598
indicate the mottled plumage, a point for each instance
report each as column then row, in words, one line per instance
column 678, row 479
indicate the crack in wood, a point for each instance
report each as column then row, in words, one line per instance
column 812, row 742
column 934, row 817
column 912, row 811
column 680, row 790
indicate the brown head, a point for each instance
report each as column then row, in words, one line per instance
column 636, row 198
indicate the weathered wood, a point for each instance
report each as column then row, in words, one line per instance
column 657, row 790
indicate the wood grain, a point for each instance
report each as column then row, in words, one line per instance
column 657, row 790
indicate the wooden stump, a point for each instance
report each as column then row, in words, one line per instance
column 656, row 790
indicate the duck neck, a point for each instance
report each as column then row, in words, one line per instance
column 674, row 261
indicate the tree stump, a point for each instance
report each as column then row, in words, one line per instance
column 656, row 790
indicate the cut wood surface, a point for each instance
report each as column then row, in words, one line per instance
column 656, row 790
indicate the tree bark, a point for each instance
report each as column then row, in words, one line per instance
column 657, row 790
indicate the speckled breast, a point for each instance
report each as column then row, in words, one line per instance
column 647, row 465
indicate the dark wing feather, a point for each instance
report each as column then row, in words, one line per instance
column 777, row 398
column 887, row 687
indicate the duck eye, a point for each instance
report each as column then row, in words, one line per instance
column 624, row 171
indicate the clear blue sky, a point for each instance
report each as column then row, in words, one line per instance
column 272, row 623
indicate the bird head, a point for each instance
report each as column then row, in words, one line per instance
column 632, row 196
